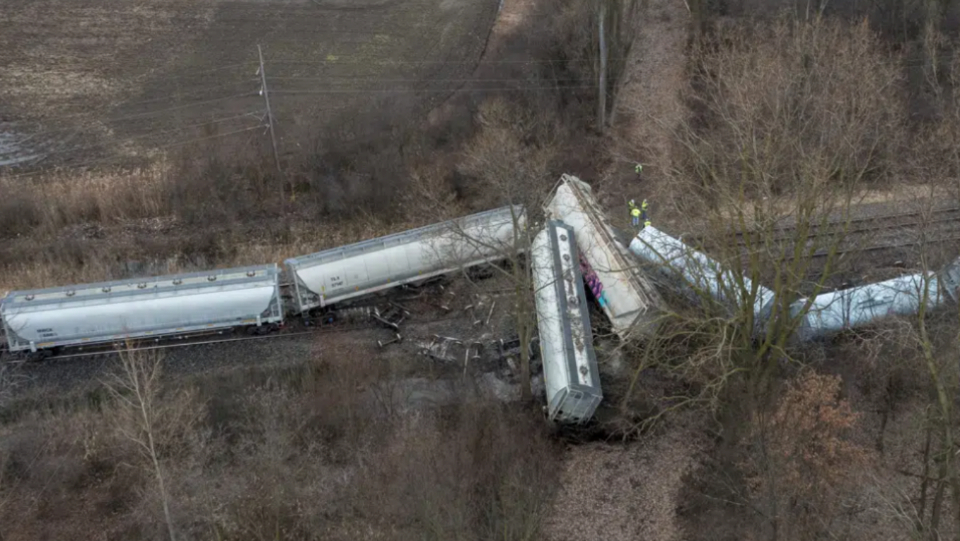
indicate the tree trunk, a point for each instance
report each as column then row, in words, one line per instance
column 602, row 86
column 925, row 481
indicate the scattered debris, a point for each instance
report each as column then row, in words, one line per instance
column 392, row 317
column 397, row 338
column 439, row 348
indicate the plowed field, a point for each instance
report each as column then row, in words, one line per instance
column 87, row 79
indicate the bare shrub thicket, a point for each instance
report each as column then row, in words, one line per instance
column 791, row 473
column 774, row 104
column 900, row 22
column 334, row 449
column 789, row 125
column 792, row 121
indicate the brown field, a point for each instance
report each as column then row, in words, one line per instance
column 98, row 79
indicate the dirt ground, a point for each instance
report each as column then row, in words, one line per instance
column 89, row 79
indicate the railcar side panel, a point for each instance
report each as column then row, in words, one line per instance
column 115, row 311
column 836, row 311
column 366, row 267
column 694, row 273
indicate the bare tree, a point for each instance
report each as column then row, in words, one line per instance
column 789, row 126
column 136, row 390
column 516, row 174
column 936, row 342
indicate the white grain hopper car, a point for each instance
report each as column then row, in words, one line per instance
column 631, row 304
column 343, row 273
column 570, row 371
column 147, row 307
column 836, row 311
column 829, row 313
column 695, row 274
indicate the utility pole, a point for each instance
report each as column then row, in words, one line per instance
column 273, row 135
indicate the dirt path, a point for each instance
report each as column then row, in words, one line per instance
column 648, row 106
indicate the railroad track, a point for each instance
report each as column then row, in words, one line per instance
column 295, row 330
column 857, row 224
column 864, row 224
column 193, row 341
column 862, row 234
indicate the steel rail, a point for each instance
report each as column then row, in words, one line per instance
column 919, row 221
column 340, row 329
column 191, row 340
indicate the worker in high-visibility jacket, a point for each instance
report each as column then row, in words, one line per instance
column 634, row 213
column 643, row 213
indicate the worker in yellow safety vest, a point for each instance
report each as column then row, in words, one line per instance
column 638, row 214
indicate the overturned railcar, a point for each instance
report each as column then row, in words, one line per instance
column 339, row 274
column 107, row 312
column 694, row 274
column 627, row 298
column 835, row 311
column 570, row 370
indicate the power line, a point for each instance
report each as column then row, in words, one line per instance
column 103, row 121
column 162, row 132
column 420, row 80
column 121, row 158
column 191, row 93
column 439, row 90
column 181, row 106
column 340, row 60
column 148, row 114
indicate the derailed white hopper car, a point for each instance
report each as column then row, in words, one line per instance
column 570, row 371
column 146, row 307
column 836, row 311
column 631, row 303
column 343, row 273
column 694, row 273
